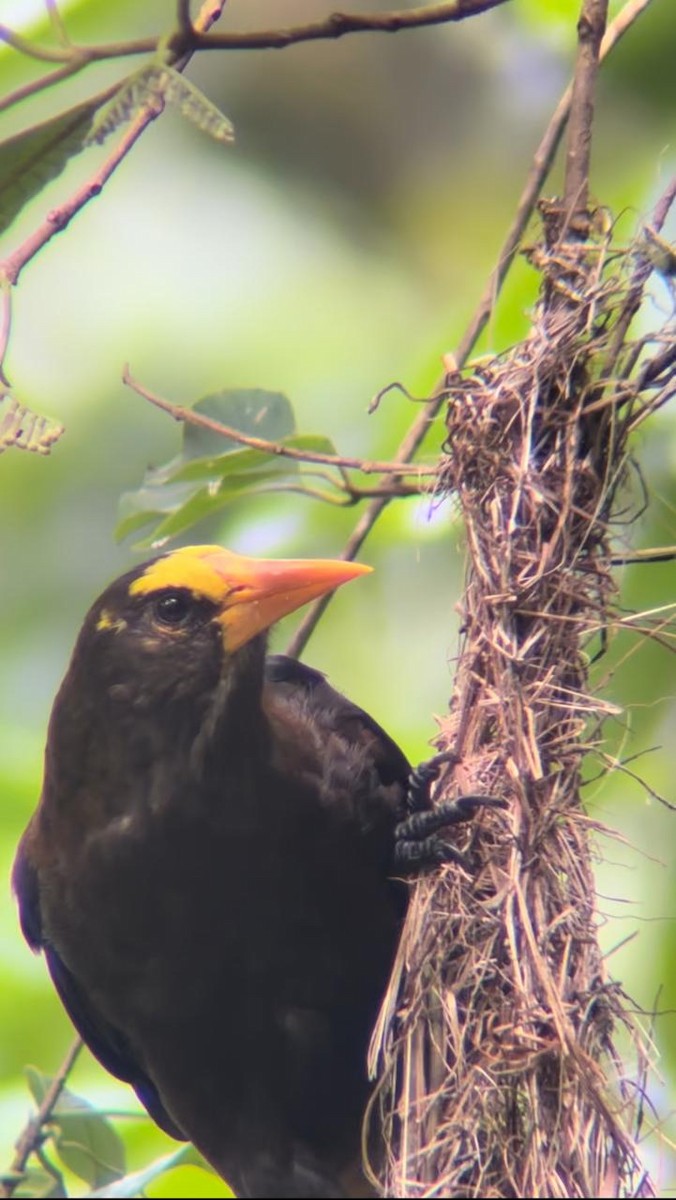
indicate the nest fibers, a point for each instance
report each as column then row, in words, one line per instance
column 495, row 1048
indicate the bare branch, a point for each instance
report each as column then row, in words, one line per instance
column 542, row 163
column 641, row 273
column 278, row 449
column 590, row 29
column 191, row 38
column 42, row 53
column 39, row 85
column 59, row 218
column 184, row 18
column 338, row 24
column 32, row 1136
column 57, row 22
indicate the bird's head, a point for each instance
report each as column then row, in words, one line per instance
column 174, row 627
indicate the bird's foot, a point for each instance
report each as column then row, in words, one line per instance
column 418, row 798
column 417, row 841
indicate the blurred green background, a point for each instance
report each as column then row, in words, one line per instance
column 342, row 243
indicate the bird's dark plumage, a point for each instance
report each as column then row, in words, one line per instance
column 209, row 871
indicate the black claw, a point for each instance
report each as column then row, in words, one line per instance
column 417, row 843
column 420, row 780
column 427, row 852
column 420, row 825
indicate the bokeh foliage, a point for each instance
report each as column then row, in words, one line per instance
column 340, row 244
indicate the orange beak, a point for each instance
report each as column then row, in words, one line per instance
column 257, row 591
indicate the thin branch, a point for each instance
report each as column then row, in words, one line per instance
column 59, row 218
column 278, row 449
column 189, row 39
column 57, row 22
column 541, row 166
column 32, row 1136
column 590, row 30
column 5, row 326
column 640, row 278
column 338, row 24
column 39, row 85
column 183, row 18
column 42, row 53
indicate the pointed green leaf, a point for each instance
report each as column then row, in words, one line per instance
column 205, row 502
column 129, row 97
column 87, row 1143
column 137, row 508
column 159, row 83
column 194, row 105
column 89, row 1146
column 213, row 469
column 236, row 462
column 37, row 1083
column 39, row 1185
column 32, row 158
column 254, row 411
column 133, row 1185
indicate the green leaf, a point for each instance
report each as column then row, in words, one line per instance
column 157, row 83
column 187, row 1180
column 254, row 411
column 39, row 1185
column 86, row 1142
column 139, row 88
column 133, row 1185
column 37, row 1083
column 32, row 158
column 205, row 502
column 89, row 1146
column 138, row 508
column 194, row 106
column 212, row 469
column 237, row 462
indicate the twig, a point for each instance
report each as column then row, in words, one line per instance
column 42, row 53
column 57, row 22
column 31, row 1138
column 590, row 30
column 189, row 416
column 338, row 24
column 39, row 85
column 640, row 278
column 184, row 18
column 59, row 218
column 542, row 163
column 188, row 40
column 5, row 326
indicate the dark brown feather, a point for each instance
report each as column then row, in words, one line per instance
column 208, row 874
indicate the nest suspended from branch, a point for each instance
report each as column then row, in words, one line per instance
column 495, row 1047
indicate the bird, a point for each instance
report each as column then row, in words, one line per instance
column 215, row 872
column 208, row 872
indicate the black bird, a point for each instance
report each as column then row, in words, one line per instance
column 209, row 870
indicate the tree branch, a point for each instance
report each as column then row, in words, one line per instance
column 277, row 449
column 339, row 24
column 188, row 38
column 59, row 218
column 590, row 30
column 39, row 85
column 32, row 1136
column 541, row 166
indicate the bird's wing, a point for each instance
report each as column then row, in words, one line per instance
column 337, row 715
column 104, row 1040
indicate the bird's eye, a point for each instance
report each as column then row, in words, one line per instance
column 172, row 609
